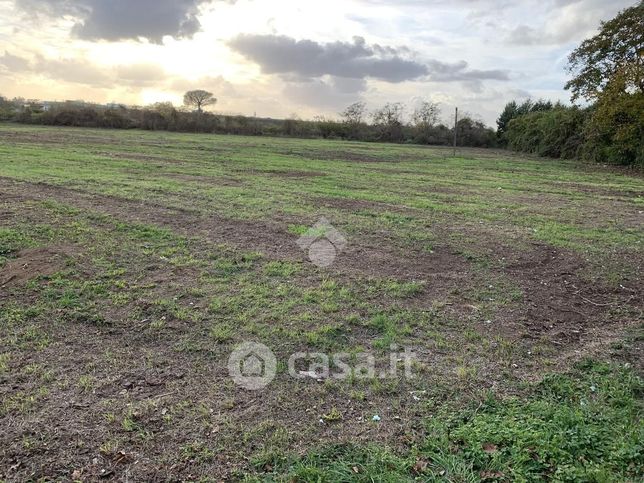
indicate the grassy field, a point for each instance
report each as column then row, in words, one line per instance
column 133, row 263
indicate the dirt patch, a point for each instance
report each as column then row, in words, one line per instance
column 6, row 215
column 32, row 263
column 563, row 308
column 271, row 238
column 555, row 307
column 366, row 256
column 353, row 157
column 538, row 272
column 54, row 137
column 441, row 272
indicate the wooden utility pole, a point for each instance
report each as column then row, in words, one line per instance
column 455, row 126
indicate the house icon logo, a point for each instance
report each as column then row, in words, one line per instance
column 252, row 366
column 323, row 242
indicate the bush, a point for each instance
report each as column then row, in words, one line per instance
column 557, row 133
column 6, row 109
column 475, row 134
column 388, row 125
column 611, row 131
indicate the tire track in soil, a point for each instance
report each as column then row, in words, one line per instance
column 555, row 304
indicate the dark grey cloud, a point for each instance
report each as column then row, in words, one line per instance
column 308, row 59
column 278, row 54
column 115, row 20
column 328, row 93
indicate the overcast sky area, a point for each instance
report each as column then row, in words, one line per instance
column 281, row 57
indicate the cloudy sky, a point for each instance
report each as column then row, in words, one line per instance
column 279, row 57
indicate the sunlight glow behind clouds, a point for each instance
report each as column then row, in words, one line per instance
column 474, row 54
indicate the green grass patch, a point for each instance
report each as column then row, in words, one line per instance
column 583, row 426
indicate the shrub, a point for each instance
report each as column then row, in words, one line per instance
column 556, row 132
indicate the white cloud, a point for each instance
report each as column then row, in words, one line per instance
column 293, row 55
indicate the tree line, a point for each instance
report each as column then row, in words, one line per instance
column 385, row 124
column 608, row 73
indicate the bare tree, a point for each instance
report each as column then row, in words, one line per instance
column 424, row 118
column 389, row 121
column 166, row 109
column 354, row 114
column 353, row 117
column 425, row 115
column 199, row 99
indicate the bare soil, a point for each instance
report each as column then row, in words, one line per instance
column 174, row 398
column 32, row 263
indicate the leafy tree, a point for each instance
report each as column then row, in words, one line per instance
column 541, row 105
column 199, row 99
column 510, row 111
column 557, row 132
column 613, row 55
column 609, row 131
column 473, row 132
column 514, row 110
column 614, row 132
column 608, row 70
column 6, row 108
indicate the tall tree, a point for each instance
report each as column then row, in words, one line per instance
column 513, row 110
column 354, row 114
column 199, row 99
column 423, row 119
column 389, row 121
column 614, row 55
column 352, row 118
column 425, row 115
column 510, row 111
